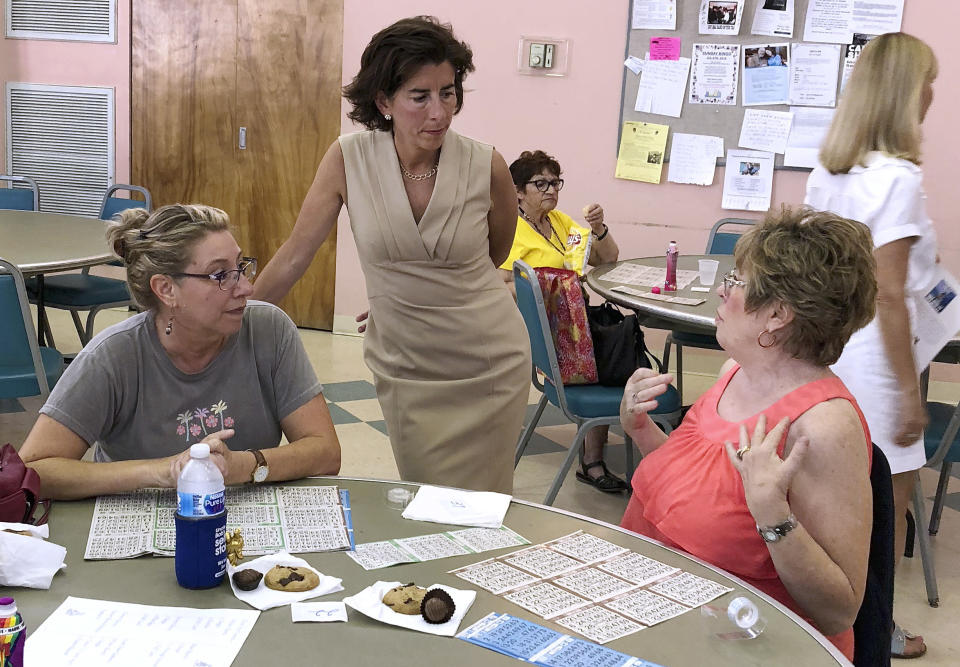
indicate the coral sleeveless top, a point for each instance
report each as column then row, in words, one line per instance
column 687, row 495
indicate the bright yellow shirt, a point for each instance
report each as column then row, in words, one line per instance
column 530, row 246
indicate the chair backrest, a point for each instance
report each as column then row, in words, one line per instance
column 19, row 198
column 723, row 242
column 871, row 630
column 19, row 348
column 112, row 205
column 534, row 312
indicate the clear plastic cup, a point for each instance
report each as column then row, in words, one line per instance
column 708, row 271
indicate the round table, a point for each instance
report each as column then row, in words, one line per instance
column 684, row 640
column 662, row 314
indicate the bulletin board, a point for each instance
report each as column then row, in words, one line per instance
column 716, row 120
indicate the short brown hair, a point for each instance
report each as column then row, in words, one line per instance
column 394, row 55
column 821, row 267
column 161, row 242
column 881, row 103
column 531, row 163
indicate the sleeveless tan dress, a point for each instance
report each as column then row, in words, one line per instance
column 445, row 341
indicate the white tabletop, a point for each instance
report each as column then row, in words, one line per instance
column 39, row 242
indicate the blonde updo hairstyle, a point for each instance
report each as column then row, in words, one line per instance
column 161, row 242
column 881, row 105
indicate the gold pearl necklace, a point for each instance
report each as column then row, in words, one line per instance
column 420, row 177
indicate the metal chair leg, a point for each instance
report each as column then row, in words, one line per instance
column 666, row 353
column 567, row 462
column 926, row 553
column 938, row 499
column 680, row 371
column 528, row 430
column 78, row 325
column 628, row 457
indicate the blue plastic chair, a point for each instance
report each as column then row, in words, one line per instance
column 20, row 199
column 585, row 405
column 718, row 243
column 81, row 291
column 25, row 368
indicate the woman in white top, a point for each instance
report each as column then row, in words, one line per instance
column 869, row 171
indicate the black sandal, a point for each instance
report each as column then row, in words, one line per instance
column 607, row 482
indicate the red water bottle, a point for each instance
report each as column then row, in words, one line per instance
column 673, row 252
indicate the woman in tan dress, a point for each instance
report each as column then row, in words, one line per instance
column 433, row 215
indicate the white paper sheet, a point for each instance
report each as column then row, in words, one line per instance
column 693, row 158
column 715, row 73
column 546, row 600
column 809, row 127
column 938, row 316
column 877, row 17
column 851, row 53
column 774, row 18
column 654, row 14
column 318, row 612
column 646, row 607
column 813, row 77
column 634, row 64
column 662, row 85
column 598, row 624
column 638, row 568
column 766, row 73
column 594, row 584
column 721, row 17
column 829, row 21
column 689, row 589
column 748, row 180
column 82, row 632
column 765, row 130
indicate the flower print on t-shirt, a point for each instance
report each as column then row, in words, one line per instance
column 196, row 424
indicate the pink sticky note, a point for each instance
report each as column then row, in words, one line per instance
column 664, row 48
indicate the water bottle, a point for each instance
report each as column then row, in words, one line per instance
column 13, row 634
column 673, row 253
column 201, row 519
column 740, row 619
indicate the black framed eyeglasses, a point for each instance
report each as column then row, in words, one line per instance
column 542, row 184
column 730, row 281
column 226, row 280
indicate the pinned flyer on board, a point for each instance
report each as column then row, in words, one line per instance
column 766, row 74
column 641, row 151
column 774, row 18
column 748, row 180
column 721, row 17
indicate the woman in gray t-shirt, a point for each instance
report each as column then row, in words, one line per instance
column 201, row 364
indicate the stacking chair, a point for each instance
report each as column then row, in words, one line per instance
column 25, row 368
column 81, row 291
column 718, row 243
column 20, row 199
column 585, row 405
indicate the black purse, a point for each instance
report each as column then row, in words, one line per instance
column 618, row 345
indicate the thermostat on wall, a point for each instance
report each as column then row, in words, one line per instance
column 543, row 56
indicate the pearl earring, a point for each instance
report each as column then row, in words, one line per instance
column 387, row 116
column 169, row 328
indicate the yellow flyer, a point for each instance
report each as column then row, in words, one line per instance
column 641, row 151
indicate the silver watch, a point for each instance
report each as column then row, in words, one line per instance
column 778, row 532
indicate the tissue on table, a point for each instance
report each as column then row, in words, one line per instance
column 483, row 509
column 369, row 602
column 28, row 561
column 263, row 598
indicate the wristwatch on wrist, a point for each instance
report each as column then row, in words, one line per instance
column 778, row 532
column 261, row 470
column 606, row 230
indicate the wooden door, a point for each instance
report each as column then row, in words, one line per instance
column 200, row 72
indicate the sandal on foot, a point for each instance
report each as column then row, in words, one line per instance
column 898, row 644
column 606, row 482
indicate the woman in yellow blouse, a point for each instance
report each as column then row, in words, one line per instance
column 542, row 238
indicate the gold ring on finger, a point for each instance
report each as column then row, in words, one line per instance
column 742, row 451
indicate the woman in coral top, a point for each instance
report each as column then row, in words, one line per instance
column 768, row 476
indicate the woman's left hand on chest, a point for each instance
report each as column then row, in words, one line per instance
column 766, row 477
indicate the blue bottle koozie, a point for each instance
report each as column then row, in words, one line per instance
column 201, row 522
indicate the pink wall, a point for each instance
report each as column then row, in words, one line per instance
column 576, row 117
column 74, row 64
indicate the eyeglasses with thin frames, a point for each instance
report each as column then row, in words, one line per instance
column 226, row 280
column 730, row 281
column 542, row 184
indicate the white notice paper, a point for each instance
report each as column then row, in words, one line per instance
column 748, row 180
column 633, row 64
column 654, row 14
column 662, row 85
column 774, row 18
column 99, row 632
column 809, row 127
column 715, row 74
column 938, row 316
column 721, row 17
column 813, row 77
column 829, row 21
column 877, row 16
column 693, row 158
column 766, row 74
column 765, row 130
